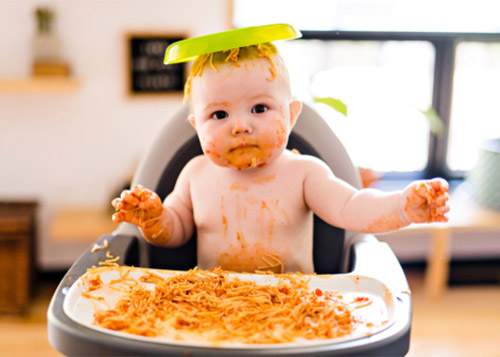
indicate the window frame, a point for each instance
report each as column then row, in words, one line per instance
column 445, row 45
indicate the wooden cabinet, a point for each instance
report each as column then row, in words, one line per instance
column 17, row 254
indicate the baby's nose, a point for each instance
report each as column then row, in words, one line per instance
column 241, row 127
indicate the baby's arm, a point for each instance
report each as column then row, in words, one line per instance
column 371, row 210
column 166, row 224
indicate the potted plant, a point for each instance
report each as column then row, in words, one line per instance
column 47, row 46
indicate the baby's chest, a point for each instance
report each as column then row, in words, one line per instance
column 240, row 206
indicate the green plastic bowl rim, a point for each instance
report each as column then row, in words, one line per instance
column 189, row 49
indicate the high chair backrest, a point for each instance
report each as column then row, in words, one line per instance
column 177, row 143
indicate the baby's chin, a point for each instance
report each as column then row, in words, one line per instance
column 240, row 159
column 245, row 158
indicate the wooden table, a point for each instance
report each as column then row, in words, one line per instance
column 81, row 224
column 465, row 216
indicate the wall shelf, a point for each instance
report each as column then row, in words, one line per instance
column 39, row 85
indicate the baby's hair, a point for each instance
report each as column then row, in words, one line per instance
column 263, row 50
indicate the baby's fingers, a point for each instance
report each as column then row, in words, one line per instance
column 442, row 199
column 125, row 202
column 138, row 190
column 422, row 189
column 119, row 217
column 439, row 185
column 442, row 219
column 120, row 204
column 441, row 213
column 130, row 198
column 131, row 216
column 117, row 204
column 444, row 209
column 152, row 202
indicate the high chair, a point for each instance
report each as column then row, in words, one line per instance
column 335, row 252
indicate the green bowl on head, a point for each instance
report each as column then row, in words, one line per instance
column 189, row 49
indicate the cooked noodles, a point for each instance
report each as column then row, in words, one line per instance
column 219, row 307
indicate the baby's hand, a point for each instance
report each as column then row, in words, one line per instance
column 138, row 206
column 426, row 201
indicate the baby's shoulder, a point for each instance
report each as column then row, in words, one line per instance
column 304, row 162
column 196, row 162
column 195, row 166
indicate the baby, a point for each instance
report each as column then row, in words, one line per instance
column 250, row 199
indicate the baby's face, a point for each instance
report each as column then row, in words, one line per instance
column 242, row 118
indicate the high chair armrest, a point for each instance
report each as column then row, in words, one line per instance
column 376, row 259
column 63, row 333
column 107, row 248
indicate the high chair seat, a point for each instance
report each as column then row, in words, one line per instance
column 335, row 251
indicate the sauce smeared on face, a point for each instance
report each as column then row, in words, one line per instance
column 246, row 157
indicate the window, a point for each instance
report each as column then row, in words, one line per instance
column 475, row 113
column 386, row 85
column 389, row 66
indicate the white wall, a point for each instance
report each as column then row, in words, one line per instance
column 75, row 149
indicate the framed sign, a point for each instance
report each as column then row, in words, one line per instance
column 146, row 72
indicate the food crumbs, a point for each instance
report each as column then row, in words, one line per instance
column 240, row 238
column 224, row 223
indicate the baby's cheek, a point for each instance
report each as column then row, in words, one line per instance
column 211, row 150
column 281, row 134
column 276, row 137
column 212, row 154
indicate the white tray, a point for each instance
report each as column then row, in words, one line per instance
column 380, row 312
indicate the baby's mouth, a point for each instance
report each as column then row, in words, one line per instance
column 243, row 146
column 245, row 155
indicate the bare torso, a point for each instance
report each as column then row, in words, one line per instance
column 252, row 219
column 261, row 218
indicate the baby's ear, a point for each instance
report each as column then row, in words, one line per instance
column 192, row 120
column 295, row 109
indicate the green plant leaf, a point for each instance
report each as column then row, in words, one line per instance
column 435, row 122
column 334, row 103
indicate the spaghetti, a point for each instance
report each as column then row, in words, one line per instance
column 233, row 56
column 216, row 307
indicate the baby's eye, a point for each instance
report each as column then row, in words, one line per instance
column 220, row 114
column 259, row 109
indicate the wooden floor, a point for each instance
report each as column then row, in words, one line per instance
column 465, row 322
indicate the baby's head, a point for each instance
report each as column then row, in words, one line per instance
column 234, row 56
column 241, row 105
